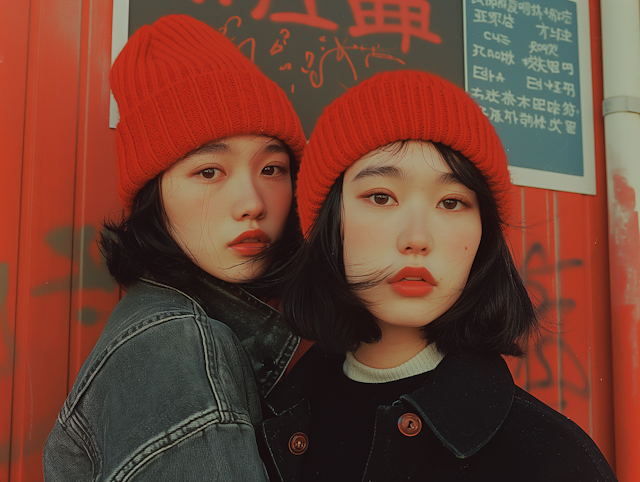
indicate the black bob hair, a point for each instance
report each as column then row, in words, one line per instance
column 493, row 315
column 140, row 246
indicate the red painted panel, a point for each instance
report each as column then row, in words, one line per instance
column 573, row 347
column 538, row 272
column 45, row 247
column 596, row 297
column 558, row 372
column 14, row 32
column 64, row 295
column 625, row 276
column 94, row 292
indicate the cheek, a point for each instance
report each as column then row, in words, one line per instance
column 192, row 218
column 176, row 205
column 190, row 211
column 462, row 253
column 352, row 241
column 278, row 200
column 364, row 246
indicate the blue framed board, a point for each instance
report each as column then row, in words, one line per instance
column 528, row 65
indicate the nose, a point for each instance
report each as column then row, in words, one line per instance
column 248, row 203
column 415, row 235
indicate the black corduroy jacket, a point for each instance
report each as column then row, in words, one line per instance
column 476, row 425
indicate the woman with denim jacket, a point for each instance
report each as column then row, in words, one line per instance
column 408, row 287
column 207, row 152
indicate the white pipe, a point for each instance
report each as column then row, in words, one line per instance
column 621, row 65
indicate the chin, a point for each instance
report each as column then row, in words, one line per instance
column 400, row 320
column 419, row 315
column 242, row 274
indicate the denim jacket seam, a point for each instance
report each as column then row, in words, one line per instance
column 286, row 352
column 131, row 333
column 72, row 416
column 160, row 285
column 78, row 430
column 205, row 349
column 225, row 406
column 169, row 439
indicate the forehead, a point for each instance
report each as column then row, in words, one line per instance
column 395, row 160
column 239, row 143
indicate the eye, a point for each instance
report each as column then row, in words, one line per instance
column 272, row 170
column 381, row 199
column 209, row 173
column 451, row 204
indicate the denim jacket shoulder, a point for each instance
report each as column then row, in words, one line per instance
column 168, row 393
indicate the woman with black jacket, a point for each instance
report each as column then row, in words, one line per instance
column 407, row 286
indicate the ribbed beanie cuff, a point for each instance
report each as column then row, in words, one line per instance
column 180, row 84
column 394, row 106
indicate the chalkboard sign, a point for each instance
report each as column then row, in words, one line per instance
column 524, row 68
column 317, row 50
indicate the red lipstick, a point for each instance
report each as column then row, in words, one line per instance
column 413, row 282
column 250, row 242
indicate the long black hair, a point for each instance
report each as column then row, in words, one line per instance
column 493, row 314
column 139, row 245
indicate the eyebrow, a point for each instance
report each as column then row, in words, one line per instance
column 397, row 173
column 272, row 147
column 380, row 171
column 448, row 178
column 275, row 148
column 212, row 147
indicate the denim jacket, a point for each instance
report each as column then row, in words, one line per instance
column 169, row 393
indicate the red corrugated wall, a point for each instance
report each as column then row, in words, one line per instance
column 58, row 183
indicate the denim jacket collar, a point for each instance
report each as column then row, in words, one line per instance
column 464, row 400
column 259, row 327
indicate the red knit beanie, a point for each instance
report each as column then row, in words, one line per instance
column 393, row 106
column 180, row 84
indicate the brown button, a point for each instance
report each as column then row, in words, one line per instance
column 298, row 443
column 409, row 424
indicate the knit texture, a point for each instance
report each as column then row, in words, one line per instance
column 394, row 106
column 425, row 361
column 180, row 84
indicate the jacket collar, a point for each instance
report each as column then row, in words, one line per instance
column 464, row 400
column 308, row 374
column 259, row 327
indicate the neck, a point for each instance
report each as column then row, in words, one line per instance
column 397, row 345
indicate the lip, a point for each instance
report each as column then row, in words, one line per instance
column 413, row 288
column 250, row 242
